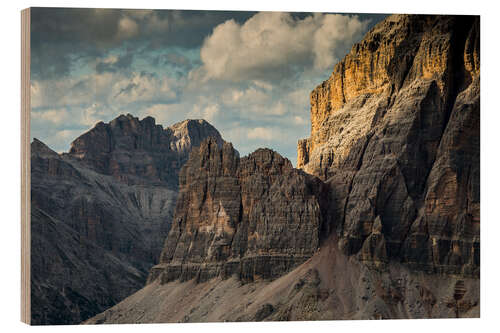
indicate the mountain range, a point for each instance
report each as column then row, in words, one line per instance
column 101, row 212
column 380, row 219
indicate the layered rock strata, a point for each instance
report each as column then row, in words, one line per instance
column 254, row 217
column 395, row 142
column 137, row 151
column 329, row 286
column 113, row 193
column 395, row 133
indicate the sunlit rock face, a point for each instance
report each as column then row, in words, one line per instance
column 381, row 222
column 395, row 133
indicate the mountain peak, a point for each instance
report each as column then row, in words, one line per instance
column 41, row 149
column 128, row 146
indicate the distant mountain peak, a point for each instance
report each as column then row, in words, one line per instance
column 40, row 148
column 128, row 147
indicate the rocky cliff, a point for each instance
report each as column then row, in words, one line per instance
column 137, row 151
column 395, row 133
column 254, row 217
column 384, row 220
column 113, row 193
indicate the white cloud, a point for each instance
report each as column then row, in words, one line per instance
column 67, row 134
column 55, row 116
column 208, row 112
column 298, row 120
column 143, row 87
column 242, row 99
column 158, row 111
column 269, row 44
column 57, row 93
column 118, row 89
column 127, row 28
column 90, row 115
column 260, row 133
column 245, row 97
column 278, row 109
column 262, row 84
column 334, row 31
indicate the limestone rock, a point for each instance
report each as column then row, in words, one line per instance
column 395, row 208
column 72, row 278
column 115, row 191
column 137, row 151
column 395, row 133
column 328, row 286
column 253, row 217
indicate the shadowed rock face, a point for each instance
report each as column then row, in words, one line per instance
column 329, row 286
column 112, row 193
column 394, row 205
column 71, row 277
column 254, row 217
column 395, row 133
column 137, row 151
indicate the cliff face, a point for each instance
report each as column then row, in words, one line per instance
column 109, row 191
column 137, row 151
column 383, row 223
column 254, row 217
column 72, row 278
column 328, row 286
column 395, row 133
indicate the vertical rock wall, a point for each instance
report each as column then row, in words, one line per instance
column 395, row 133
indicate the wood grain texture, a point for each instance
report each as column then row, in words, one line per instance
column 25, row 166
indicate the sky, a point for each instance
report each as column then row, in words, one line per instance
column 247, row 73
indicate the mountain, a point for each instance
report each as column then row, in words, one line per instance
column 135, row 151
column 395, row 133
column 254, row 217
column 381, row 220
column 101, row 213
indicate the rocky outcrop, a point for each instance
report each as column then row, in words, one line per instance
column 110, row 192
column 137, row 151
column 395, row 148
column 72, row 278
column 254, row 217
column 329, row 286
column 395, row 133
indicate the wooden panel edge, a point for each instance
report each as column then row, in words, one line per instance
column 25, row 167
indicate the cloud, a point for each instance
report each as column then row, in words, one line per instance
column 335, row 32
column 260, row 133
column 60, row 37
column 107, row 87
column 208, row 112
column 144, row 86
column 273, row 45
column 114, row 63
column 54, row 116
column 245, row 96
column 298, row 120
column 175, row 60
column 92, row 65
column 127, row 28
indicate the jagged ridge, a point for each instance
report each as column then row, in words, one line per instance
column 395, row 141
column 254, row 217
column 112, row 195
